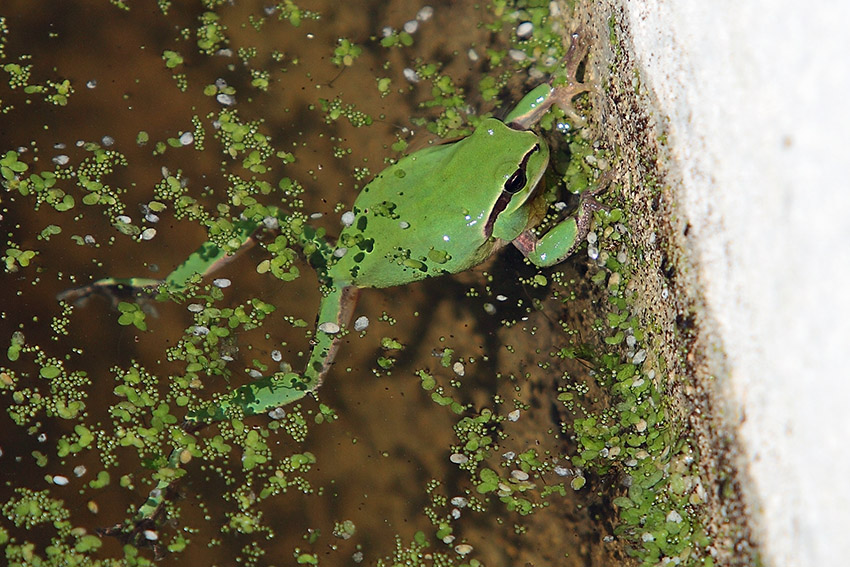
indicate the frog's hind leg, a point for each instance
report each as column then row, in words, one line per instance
column 282, row 388
column 261, row 396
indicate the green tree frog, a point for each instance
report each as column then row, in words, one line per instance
column 441, row 210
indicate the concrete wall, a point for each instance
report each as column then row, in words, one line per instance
column 756, row 96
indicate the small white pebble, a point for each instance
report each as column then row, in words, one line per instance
column 519, row 475
column 489, row 309
column 89, row 239
column 329, row 328
column 647, row 537
column 61, row 159
column 221, row 282
column 458, row 368
column 60, row 480
column 411, row 75
column 411, row 26
column 347, row 218
column 91, row 84
column 517, row 55
column 473, row 55
column 187, row 138
column 225, row 99
column 562, row 471
column 458, row 458
column 316, row 216
column 640, row 356
column 514, row 415
column 148, row 234
column 124, row 219
column 42, row 437
column 674, row 517
column 151, row 535
column 277, row 356
column 200, row 331
column 463, row 549
column 424, row 14
column 404, row 225
column 271, row 223
column 638, row 382
column 79, row 471
column 340, row 252
column 255, row 374
column 501, row 297
column 459, row 501
column 386, row 31
column 509, row 456
column 524, row 30
column 592, row 238
column 151, row 217
column 455, row 513
column 195, row 307
column 361, row 323
column 448, row 539
column 277, row 413
column 107, row 141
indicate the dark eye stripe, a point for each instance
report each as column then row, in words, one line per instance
column 515, row 183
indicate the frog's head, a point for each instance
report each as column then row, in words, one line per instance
column 520, row 161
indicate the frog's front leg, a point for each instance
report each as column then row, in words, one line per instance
column 281, row 388
column 537, row 102
column 562, row 239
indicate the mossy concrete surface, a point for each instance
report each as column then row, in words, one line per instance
column 731, row 124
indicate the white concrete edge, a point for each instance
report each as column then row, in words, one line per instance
column 756, row 95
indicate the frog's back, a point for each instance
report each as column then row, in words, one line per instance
column 423, row 216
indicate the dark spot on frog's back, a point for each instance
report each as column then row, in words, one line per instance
column 362, row 221
column 367, row 245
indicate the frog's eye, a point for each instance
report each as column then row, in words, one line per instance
column 516, row 182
